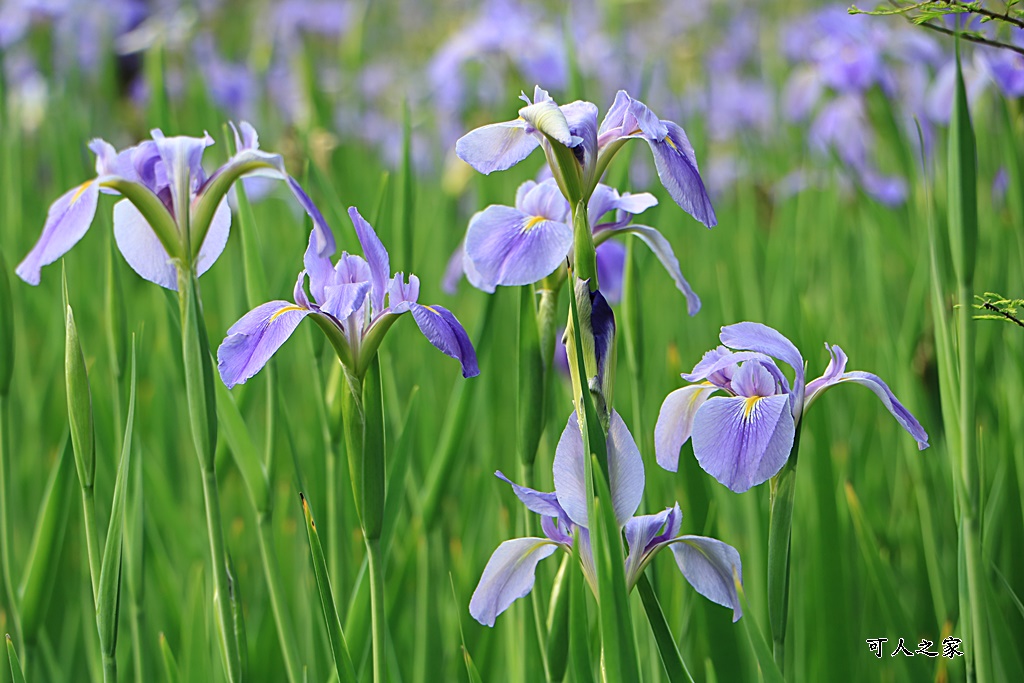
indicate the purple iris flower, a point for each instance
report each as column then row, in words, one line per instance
column 542, row 123
column 1007, row 67
column 348, row 302
column 744, row 439
column 520, row 245
column 169, row 170
column 707, row 563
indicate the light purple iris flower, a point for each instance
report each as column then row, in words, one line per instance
column 520, row 245
column 707, row 563
column 169, row 169
column 542, row 123
column 745, row 438
column 348, row 302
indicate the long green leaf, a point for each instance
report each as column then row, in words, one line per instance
column 579, row 625
column 171, row 674
column 247, row 456
column 12, row 657
column 769, row 671
column 339, row 647
column 670, row 655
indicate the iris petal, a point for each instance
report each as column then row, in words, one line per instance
column 675, row 422
column 445, row 332
column 676, row 164
column 252, row 340
column 743, row 442
column 376, row 256
column 708, row 565
column 763, row 339
column 497, row 146
column 141, row 247
column 508, row 576
column 66, row 223
column 663, row 250
column 509, row 247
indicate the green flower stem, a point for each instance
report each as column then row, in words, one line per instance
column 780, row 532
column 5, row 554
column 91, row 540
column 377, row 613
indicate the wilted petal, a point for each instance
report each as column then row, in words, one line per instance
column 708, row 565
column 763, row 339
column 376, row 256
column 66, row 223
column 252, row 340
column 545, row 504
column 509, row 247
column 677, row 167
column 508, row 576
column 446, row 333
column 625, row 470
column 743, row 442
column 663, row 250
column 675, row 422
column 141, row 247
column 216, row 238
column 497, row 146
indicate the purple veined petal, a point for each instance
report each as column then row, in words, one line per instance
column 299, row 291
column 508, row 576
column 252, row 340
column 708, row 565
column 182, row 155
column 833, row 372
column 743, row 442
column 141, row 247
column 649, row 124
column 445, row 332
column 882, row 391
column 676, row 164
column 642, row 534
column 319, row 268
column 543, row 200
column 67, row 221
column 636, row 203
column 675, row 422
column 376, row 256
column 712, row 361
column 557, row 530
column 764, row 339
column 216, row 238
column 497, row 146
column 342, row 300
column 111, row 163
column 663, row 250
column 754, row 379
column 402, row 294
column 625, row 470
column 611, row 125
column 581, row 118
column 473, row 275
column 523, row 190
column 545, row 504
column 602, row 200
column 509, row 247
column 611, row 264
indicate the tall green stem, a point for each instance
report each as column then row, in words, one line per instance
column 377, row 615
column 5, row 553
column 780, row 532
column 91, row 541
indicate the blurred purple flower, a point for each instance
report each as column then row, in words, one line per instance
column 1006, row 67
column 745, row 438
column 348, row 301
column 708, row 564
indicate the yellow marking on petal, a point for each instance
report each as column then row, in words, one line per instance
column 533, row 222
column 81, row 190
column 286, row 309
column 668, row 141
column 432, row 310
column 748, row 405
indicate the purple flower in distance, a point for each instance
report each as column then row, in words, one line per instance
column 354, row 301
column 542, row 123
column 166, row 175
column 522, row 244
column 745, row 438
column 708, row 564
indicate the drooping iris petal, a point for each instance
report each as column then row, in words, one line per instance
column 763, row 339
column 216, row 238
column 252, row 340
column 545, row 504
column 835, row 369
column 625, row 470
column 743, row 442
column 376, row 256
column 675, row 422
column 509, row 247
column 663, row 250
column 66, row 223
column 402, row 294
column 141, row 247
column 446, row 333
column 497, row 146
column 508, row 576
column 676, row 164
column 343, row 300
column 708, row 565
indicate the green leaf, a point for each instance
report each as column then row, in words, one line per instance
column 6, row 330
column 339, row 647
column 108, row 599
column 399, row 458
column 42, row 567
column 769, row 671
column 558, row 620
column 530, row 396
column 247, row 456
column 670, row 655
column 12, row 657
column 579, row 625
column 471, row 670
column 170, row 665
column 79, row 396
column 963, row 187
